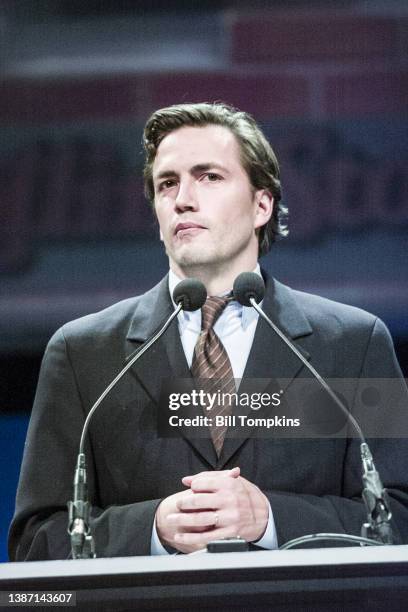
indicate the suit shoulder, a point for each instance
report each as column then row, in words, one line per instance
column 320, row 310
column 110, row 320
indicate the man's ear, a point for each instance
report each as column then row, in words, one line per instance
column 264, row 207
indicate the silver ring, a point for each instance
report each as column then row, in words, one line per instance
column 216, row 519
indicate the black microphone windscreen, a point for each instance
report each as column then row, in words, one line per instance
column 249, row 285
column 191, row 293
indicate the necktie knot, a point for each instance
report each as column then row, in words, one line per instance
column 212, row 310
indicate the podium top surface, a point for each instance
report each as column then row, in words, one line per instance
column 317, row 557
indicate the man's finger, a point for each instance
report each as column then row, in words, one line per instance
column 185, row 521
column 211, row 484
column 234, row 473
column 198, row 501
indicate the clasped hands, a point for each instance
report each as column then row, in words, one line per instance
column 216, row 505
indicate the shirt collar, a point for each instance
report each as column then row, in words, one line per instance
column 246, row 313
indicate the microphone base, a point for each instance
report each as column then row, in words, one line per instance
column 382, row 532
column 82, row 542
column 82, row 547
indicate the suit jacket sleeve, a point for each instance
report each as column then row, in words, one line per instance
column 39, row 527
column 297, row 515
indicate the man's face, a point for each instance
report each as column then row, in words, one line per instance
column 205, row 205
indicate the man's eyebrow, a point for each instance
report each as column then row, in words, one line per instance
column 208, row 166
column 193, row 170
column 165, row 174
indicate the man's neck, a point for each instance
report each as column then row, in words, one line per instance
column 216, row 281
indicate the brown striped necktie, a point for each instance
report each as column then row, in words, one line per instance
column 211, row 365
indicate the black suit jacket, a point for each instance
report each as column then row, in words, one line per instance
column 313, row 485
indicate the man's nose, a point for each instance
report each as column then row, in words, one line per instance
column 186, row 197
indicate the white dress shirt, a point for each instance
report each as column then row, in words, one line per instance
column 236, row 329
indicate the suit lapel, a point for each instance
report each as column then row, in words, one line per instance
column 270, row 360
column 153, row 308
column 165, row 359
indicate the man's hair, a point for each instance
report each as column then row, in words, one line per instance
column 257, row 156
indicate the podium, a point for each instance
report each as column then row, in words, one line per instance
column 327, row 579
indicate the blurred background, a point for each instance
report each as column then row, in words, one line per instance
column 328, row 83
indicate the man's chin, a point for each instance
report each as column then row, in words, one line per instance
column 190, row 255
column 193, row 262
column 194, row 258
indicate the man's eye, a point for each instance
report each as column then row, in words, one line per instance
column 167, row 184
column 212, row 177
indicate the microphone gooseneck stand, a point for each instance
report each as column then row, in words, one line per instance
column 189, row 294
column 249, row 289
column 82, row 543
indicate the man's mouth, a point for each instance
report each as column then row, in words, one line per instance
column 188, row 229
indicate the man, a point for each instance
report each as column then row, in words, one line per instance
column 213, row 180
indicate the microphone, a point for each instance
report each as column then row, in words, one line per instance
column 249, row 290
column 249, row 285
column 190, row 294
